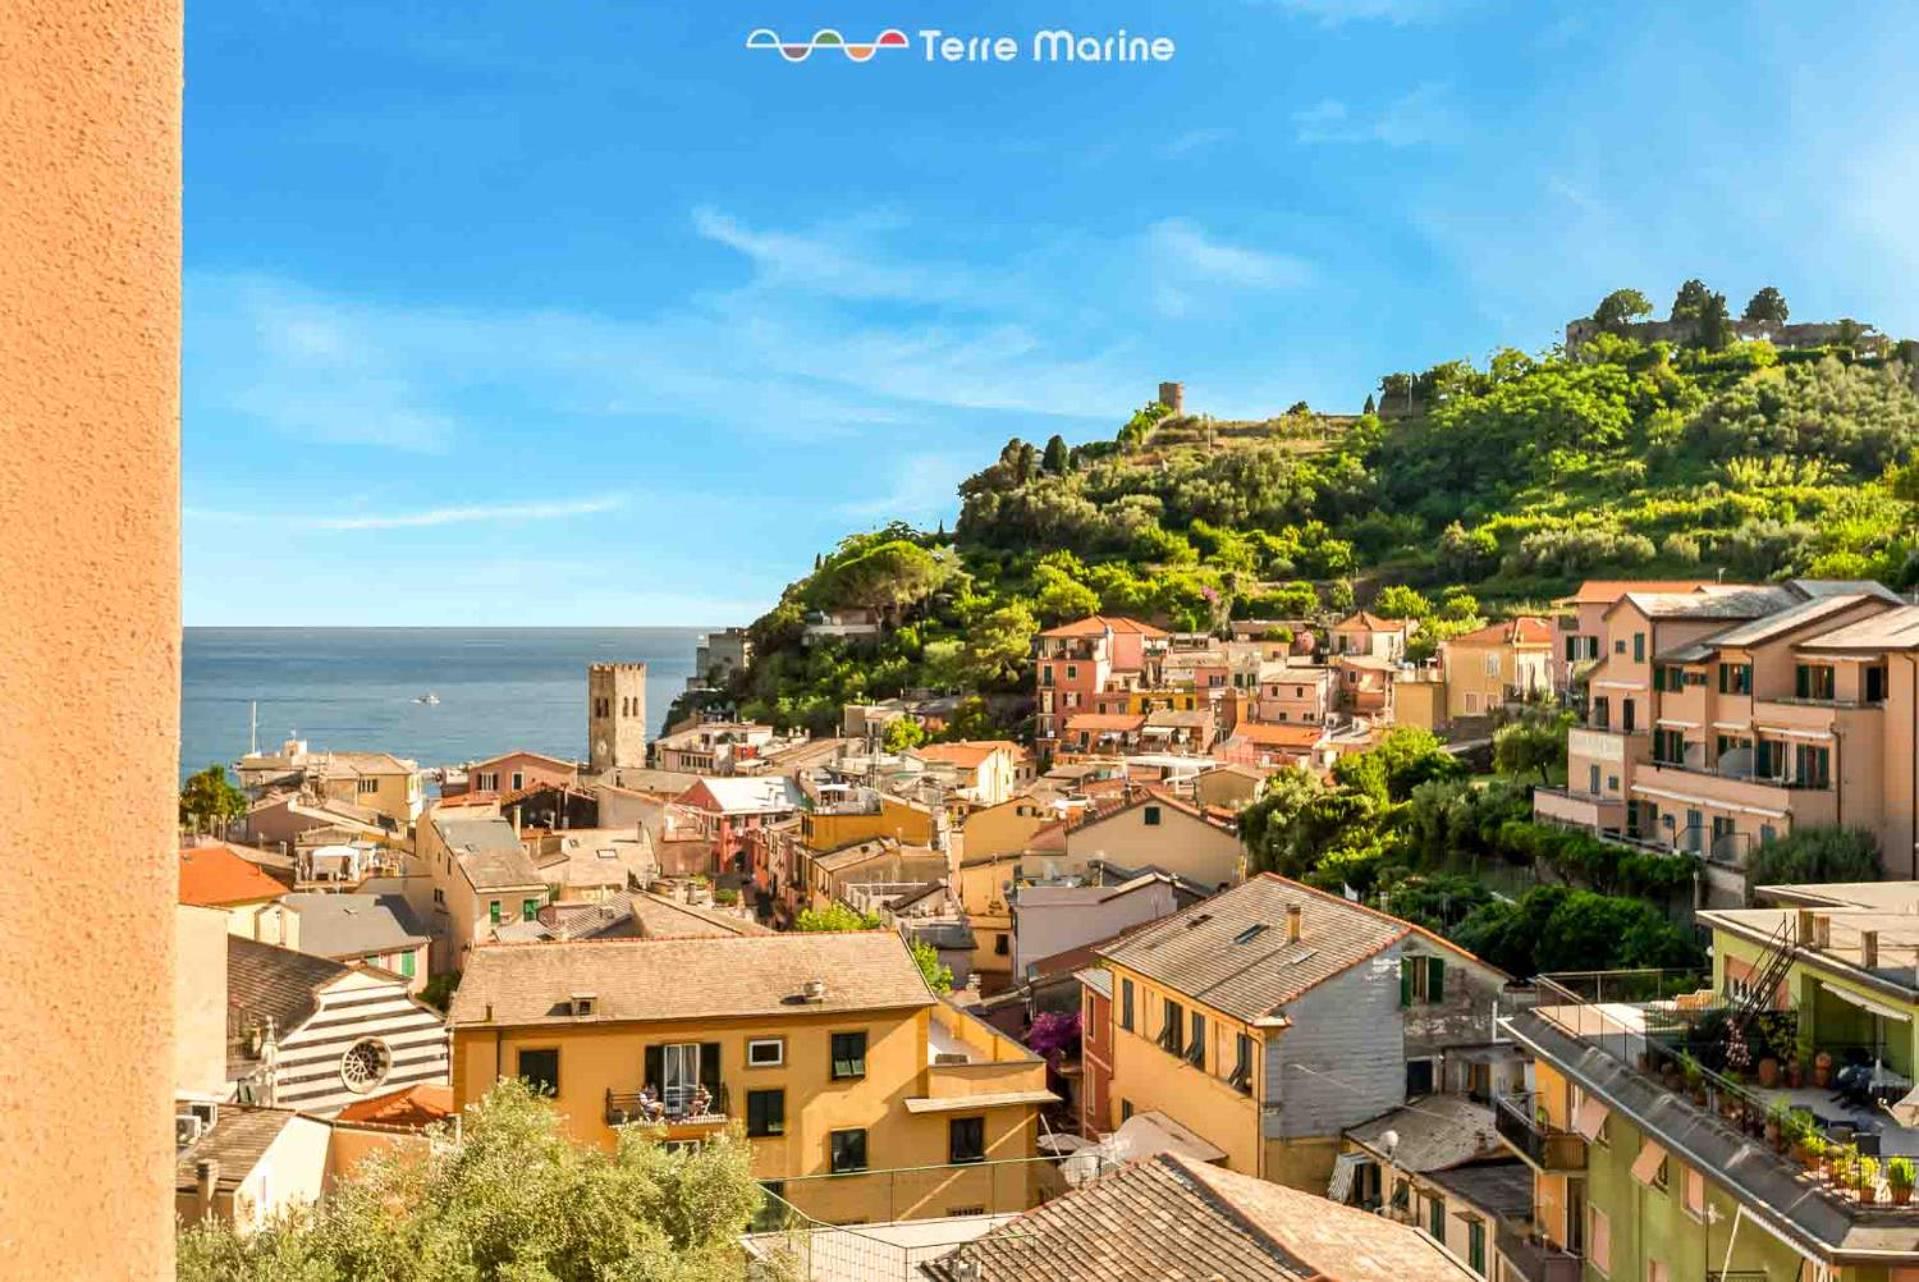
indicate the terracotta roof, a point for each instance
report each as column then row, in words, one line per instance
column 1098, row 624
column 1205, row 951
column 522, row 752
column 1170, row 1217
column 675, row 979
column 1524, row 630
column 265, row 981
column 213, row 876
column 1370, row 622
column 1606, row 591
column 1104, row 721
column 1272, row 736
column 411, row 1106
column 966, row 754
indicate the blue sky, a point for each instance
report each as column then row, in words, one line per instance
column 579, row 313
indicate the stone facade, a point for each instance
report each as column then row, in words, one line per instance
column 616, row 716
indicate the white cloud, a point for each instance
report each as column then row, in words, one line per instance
column 924, row 487
column 1183, row 248
column 1424, row 115
column 1194, row 140
column 467, row 515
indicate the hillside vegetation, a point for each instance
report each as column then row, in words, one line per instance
column 1474, row 491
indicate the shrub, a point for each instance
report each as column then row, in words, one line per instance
column 1815, row 855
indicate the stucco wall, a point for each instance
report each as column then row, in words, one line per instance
column 200, row 1000
column 89, row 659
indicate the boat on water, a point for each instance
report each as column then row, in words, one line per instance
column 428, row 698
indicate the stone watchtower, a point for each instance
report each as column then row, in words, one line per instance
column 615, row 715
column 1173, row 397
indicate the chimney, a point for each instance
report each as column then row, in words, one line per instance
column 815, row 990
column 1869, row 949
column 1294, row 916
column 1802, row 927
column 206, row 1178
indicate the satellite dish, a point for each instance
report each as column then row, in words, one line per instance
column 1389, row 1143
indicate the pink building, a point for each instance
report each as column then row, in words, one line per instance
column 1077, row 660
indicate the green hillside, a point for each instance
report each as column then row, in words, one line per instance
column 1475, row 491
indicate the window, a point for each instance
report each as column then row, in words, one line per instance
column 849, row 1151
column 966, row 1139
column 849, row 1056
column 1669, row 747
column 1476, row 1247
column 1196, row 1044
column 1125, row 1109
column 957, row 1211
column 540, row 1069
column 1875, row 685
column 765, row 1052
column 1811, row 766
column 493, row 911
column 1126, row 1004
column 1602, row 712
column 1172, row 1027
column 1592, row 780
column 1421, row 980
column 1812, row 681
column 765, row 1113
column 1001, row 945
column 1693, row 1194
column 1242, row 1077
column 1638, row 647
column 364, row 786
column 1152, row 816
column 529, row 909
column 1619, row 646
column 1735, row 678
column 1598, row 1239
column 1072, row 672
column 1419, row 1077
column 365, row 1064
column 1436, row 1218
column 519, row 781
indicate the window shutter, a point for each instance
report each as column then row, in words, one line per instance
column 655, row 1073
column 1802, row 681
column 1435, row 979
column 1405, row 982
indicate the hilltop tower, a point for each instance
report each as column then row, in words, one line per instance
column 1173, row 397
column 615, row 715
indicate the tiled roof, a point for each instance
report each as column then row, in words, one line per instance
column 1524, row 630
column 1170, row 1219
column 1097, row 721
column 240, row 1137
column 1273, row 736
column 1194, row 951
column 1606, row 591
column 1783, row 621
column 748, row 794
column 1094, row 625
column 966, row 754
column 1437, row 1132
column 213, row 876
column 672, row 979
column 1894, row 629
column 265, row 981
column 410, row 1106
column 1503, row 1189
column 1370, row 622
column 353, row 925
column 489, row 852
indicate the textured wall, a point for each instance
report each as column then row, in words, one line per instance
column 90, row 647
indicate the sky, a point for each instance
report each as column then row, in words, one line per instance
column 544, row 312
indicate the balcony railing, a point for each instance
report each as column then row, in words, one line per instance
column 1744, row 776
column 1536, row 1259
column 674, row 1107
column 1518, row 1120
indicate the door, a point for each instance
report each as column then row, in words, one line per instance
column 680, row 1073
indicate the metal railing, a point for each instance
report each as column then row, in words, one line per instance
column 676, row 1107
column 1518, row 1120
column 1536, row 1259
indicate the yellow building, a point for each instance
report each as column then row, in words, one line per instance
column 827, row 1050
column 1494, row 665
column 831, row 825
column 1003, row 829
column 476, row 875
column 1271, row 1017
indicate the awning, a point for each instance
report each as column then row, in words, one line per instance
column 1345, row 1169
column 1591, row 1117
column 1645, row 1167
column 1866, row 1003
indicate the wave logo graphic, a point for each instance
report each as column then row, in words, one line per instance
column 826, row 38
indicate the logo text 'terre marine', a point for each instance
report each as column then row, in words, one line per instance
column 1050, row 45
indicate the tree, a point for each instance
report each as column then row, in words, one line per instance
column 937, row 974
column 1404, row 758
column 1620, row 308
column 1533, row 743
column 210, row 801
column 1370, row 407
column 1690, row 300
column 903, row 733
column 1397, row 601
column 512, row 1199
column 835, row 916
column 1713, row 328
column 1807, row 855
column 1768, row 305
column 1055, row 460
column 999, row 646
column 884, row 577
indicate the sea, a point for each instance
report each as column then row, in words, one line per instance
column 358, row 689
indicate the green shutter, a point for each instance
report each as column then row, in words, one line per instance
column 655, row 1071
column 1802, row 681
column 1405, row 982
column 406, row 965
column 1435, row 979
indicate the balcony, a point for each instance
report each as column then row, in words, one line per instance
column 678, row 1108
column 1520, row 1122
column 1591, row 811
column 1535, row 1259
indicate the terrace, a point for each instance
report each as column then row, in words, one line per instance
column 1718, row 1081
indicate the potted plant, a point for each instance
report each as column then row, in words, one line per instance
column 1795, row 1074
column 1778, row 1118
column 1900, row 1176
column 1768, row 1072
column 1695, row 1078
column 1868, row 1172
column 1822, row 1070
column 1842, row 1164
column 1812, row 1151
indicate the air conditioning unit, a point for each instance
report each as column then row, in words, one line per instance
column 206, row 1110
column 187, row 1129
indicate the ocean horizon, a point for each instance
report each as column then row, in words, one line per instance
column 358, row 688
